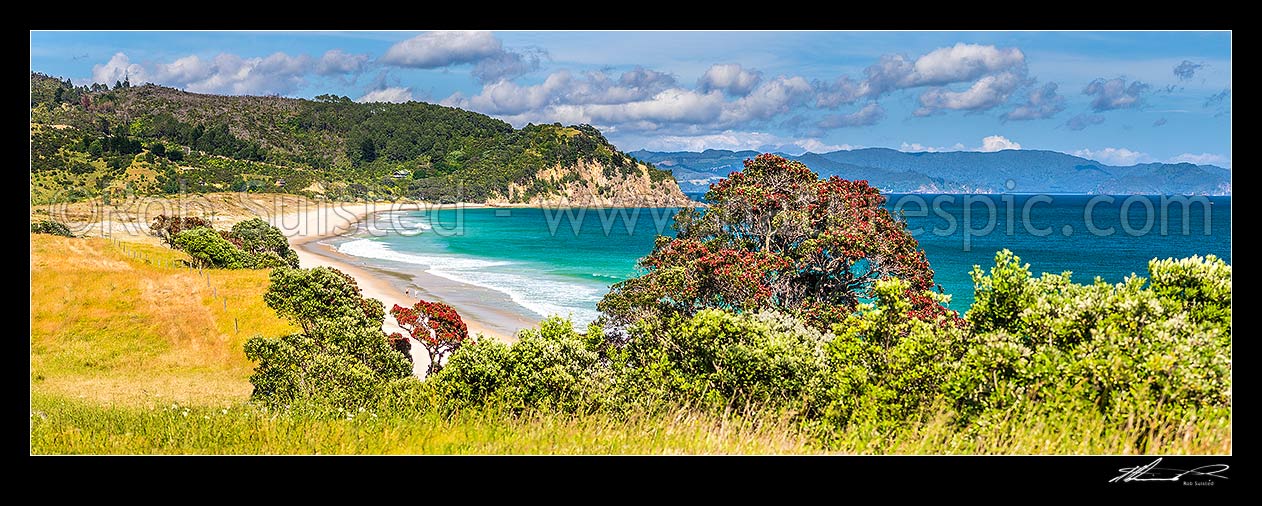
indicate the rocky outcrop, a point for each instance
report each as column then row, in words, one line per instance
column 592, row 184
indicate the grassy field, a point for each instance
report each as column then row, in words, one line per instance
column 133, row 355
column 124, row 325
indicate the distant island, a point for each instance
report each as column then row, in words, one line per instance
column 1024, row 171
column 100, row 142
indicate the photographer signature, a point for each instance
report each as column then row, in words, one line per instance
column 1151, row 472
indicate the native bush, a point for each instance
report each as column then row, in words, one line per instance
column 340, row 359
column 1164, row 348
column 210, row 249
column 51, row 227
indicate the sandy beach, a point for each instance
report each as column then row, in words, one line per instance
column 309, row 228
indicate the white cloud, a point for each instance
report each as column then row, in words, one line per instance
column 817, row 146
column 392, row 94
column 736, row 141
column 767, row 100
column 990, row 144
column 956, row 64
column 916, row 147
column 1114, row 156
column 1042, row 103
column 997, row 143
column 1114, row 94
column 335, row 61
column 226, row 73
column 442, row 48
column 730, row 78
column 869, row 115
column 1202, row 159
column 118, row 68
column 985, row 93
column 639, row 99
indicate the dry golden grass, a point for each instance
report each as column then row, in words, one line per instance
column 119, row 324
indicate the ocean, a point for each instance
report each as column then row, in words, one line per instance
column 562, row 261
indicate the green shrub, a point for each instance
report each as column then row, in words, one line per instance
column 258, row 238
column 888, row 366
column 51, row 227
column 340, row 359
column 727, row 361
column 1124, row 348
column 548, row 368
column 210, row 249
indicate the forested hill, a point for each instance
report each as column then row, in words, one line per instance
column 1032, row 171
column 148, row 139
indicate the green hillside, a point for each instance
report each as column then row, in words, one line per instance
column 152, row 140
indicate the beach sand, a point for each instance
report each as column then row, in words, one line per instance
column 308, row 229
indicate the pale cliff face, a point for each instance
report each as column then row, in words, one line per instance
column 588, row 184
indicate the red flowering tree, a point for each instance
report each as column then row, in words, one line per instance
column 775, row 236
column 436, row 326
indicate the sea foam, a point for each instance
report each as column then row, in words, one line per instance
column 528, row 287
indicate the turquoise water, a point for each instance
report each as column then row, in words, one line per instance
column 563, row 261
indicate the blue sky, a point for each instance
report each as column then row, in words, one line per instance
column 1117, row 97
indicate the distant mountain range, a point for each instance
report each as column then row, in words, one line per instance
column 1023, row 171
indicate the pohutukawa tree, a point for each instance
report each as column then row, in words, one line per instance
column 436, row 326
column 775, row 236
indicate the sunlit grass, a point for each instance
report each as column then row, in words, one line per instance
column 131, row 355
column 127, row 324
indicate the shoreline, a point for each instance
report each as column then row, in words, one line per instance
column 307, row 230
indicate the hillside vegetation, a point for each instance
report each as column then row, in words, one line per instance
column 153, row 140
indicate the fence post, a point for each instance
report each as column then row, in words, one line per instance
column 235, row 328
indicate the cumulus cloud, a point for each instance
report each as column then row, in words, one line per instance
column 1083, row 120
column 768, row 99
column 994, row 143
column 1202, row 159
column 1186, row 70
column 442, row 48
column 730, row 78
column 1114, row 156
column 1042, row 103
column 118, row 68
column 226, row 73
column 869, row 115
column 956, row 64
column 336, row 61
column 639, row 99
column 1114, row 94
column 1159, row 122
column 392, row 94
column 492, row 62
column 985, row 93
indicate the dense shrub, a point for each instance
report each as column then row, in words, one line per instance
column 251, row 244
column 258, row 238
column 209, row 249
column 548, row 368
column 51, row 227
column 1164, row 348
column 167, row 227
column 341, row 358
column 887, row 365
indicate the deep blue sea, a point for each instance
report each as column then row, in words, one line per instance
column 563, row 261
